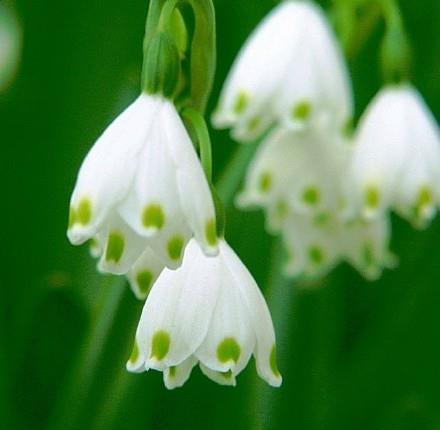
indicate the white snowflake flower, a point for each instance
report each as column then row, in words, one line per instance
column 290, row 69
column 209, row 311
column 141, row 187
column 297, row 172
column 396, row 163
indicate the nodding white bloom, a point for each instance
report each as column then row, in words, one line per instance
column 209, row 311
column 292, row 69
column 316, row 245
column 141, row 193
column 396, row 163
column 297, row 172
column 10, row 45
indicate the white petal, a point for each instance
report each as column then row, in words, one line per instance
column 230, row 339
column 178, row 309
column 265, row 355
column 194, row 192
column 144, row 273
column 121, row 248
column 221, row 378
column 107, row 172
column 175, row 377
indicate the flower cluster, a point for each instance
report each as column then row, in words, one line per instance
column 143, row 201
column 329, row 192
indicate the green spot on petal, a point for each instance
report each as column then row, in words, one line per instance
column 254, row 124
column 153, row 217
column 84, row 212
column 348, row 128
column 282, row 209
column 115, row 247
column 175, row 247
column 302, row 110
column 172, row 371
column 143, row 280
column 134, row 354
column 265, row 182
column 322, row 219
column 273, row 362
column 211, row 232
column 241, row 102
column 316, row 255
column 228, row 350
column 226, row 375
column 372, row 197
column 160, row 345
column 311, row 196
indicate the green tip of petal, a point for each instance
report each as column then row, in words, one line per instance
column 265, row 182
column 254, row 123
column 211, row 232
column 228, row 350
column 425, row 199
column 348, row 128
column 372, row 197
column 83, row 214
column 175, row 247
column 273, row 362
column 311, row 196
column 160, row 345
column 115, row 247
column 144, row 280
column 72, row 217
column 241, row 102
column 153, row 216
column 301, row 111
column 316, row 255
column 134, row 354
column 368, row 255
column 172, row 371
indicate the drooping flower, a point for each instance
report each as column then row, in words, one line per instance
column 290, row 69
column 141, row 189
column 10, row 45
column 209, row 311
column 396, row 163
column 296, row 172
column 317, row 245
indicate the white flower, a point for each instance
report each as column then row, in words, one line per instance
column 142, row 187
column 291, row 68
column 209, row 311
column 316, row 245
column 10, row 45
column 396, row 164
column 296, row 171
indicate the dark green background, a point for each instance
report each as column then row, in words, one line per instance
column 354, row 355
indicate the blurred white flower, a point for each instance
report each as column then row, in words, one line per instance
column 316, row 245
column 290, row 69
column 396, row 163
column 297, row 171
column 10, row 46
column 141, row 190
column 209, row 311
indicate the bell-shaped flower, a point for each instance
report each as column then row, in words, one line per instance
column 141, row 187
column 396, row 162
column 209, row 311
column 298, row 172
column 290, row 69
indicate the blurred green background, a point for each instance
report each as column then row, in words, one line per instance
column 354, row 355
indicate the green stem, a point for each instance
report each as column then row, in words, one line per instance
column 199, row 125
column 68, row 412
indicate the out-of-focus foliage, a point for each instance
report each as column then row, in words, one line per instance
column 354, row 355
